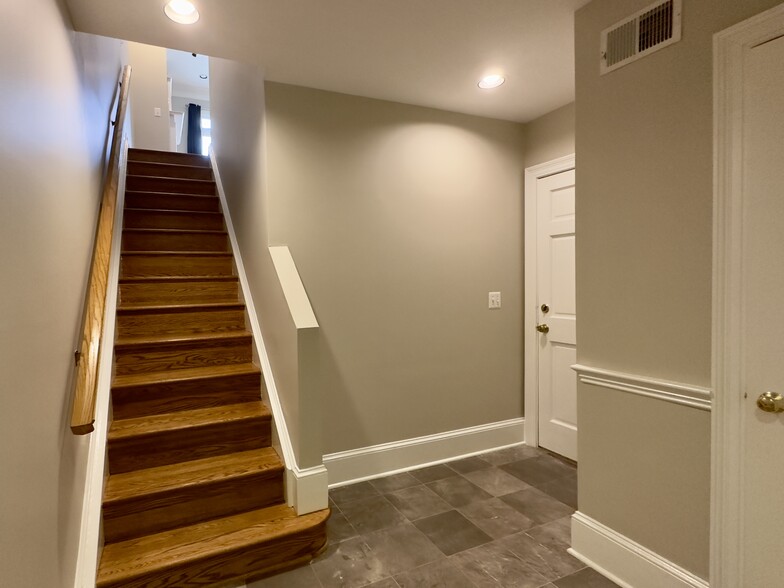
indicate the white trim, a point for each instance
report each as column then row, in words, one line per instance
column 531, row 348
column 625, row 562
column 365, row 463
column 668, row 391
column 293, row 288
column 314, row 484
column 90, row 533
column 309, row 487
column 727, row 426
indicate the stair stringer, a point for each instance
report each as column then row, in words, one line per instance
column 306, row 488
column 91, row 526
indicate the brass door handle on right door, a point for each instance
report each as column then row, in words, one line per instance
column 771, row 402
column 543, row 329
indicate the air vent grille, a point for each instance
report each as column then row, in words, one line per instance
column 621, row 42
column 649, row 30
column 655, row 26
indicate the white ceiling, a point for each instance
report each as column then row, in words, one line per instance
column 424, row 52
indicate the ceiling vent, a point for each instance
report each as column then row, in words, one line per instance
column 649, row 30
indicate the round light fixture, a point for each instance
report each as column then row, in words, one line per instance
column 181, row 11
column 490, row 82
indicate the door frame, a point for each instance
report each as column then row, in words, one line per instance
column 727, row 415
column 530, row 346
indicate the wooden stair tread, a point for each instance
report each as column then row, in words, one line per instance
column 146, row 155
column 176, row 211
column 177, row 253
column 153, row 353
column 131, row 308
column 164, row 194
column 180, row 338
column 169, row 169
column 169, row 178
column 144, row 555
column 186, row 419
column 177, row 231
column 140, row 182
column 131, row 485
column 177, row 279
column 183, row 375
column 180, row 164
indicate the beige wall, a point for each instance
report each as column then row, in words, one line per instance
column 401, row 219
column 54, row 110
column 149, row 90
column 550, row 136
column 371, row 196
column 644, row 220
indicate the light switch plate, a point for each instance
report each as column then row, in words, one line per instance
column 494, row 300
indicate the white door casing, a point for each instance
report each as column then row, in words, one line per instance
column 748, row 322
column 550, row 383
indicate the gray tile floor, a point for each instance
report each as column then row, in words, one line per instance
column 500, row 520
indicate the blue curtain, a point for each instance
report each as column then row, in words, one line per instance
column 194, row 129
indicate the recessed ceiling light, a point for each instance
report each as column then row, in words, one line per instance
column 181, row 11
column 203, row 77
column 489, row 82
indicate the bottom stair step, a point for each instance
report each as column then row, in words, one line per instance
column 242, row 546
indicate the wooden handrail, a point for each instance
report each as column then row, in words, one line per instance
column 88, row 354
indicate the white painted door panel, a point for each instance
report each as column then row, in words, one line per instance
column 763, row 297
column 556, row 288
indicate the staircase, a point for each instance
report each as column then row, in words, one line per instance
column 195, row 492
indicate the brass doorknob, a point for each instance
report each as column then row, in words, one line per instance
column 771, row 402
column 543, row 328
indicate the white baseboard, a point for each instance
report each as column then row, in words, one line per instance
column 356, row 465
column 307, row 489
column 625, row 562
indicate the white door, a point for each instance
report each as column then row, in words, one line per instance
column 748, row 442
column 763, row 300
column 556, row 308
